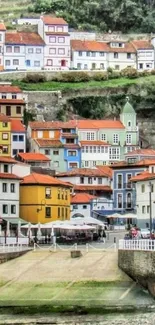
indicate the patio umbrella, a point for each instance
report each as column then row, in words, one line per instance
column 39, row 234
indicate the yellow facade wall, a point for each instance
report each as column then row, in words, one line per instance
column 13, row 115
column 5, row 130
column 33, row 203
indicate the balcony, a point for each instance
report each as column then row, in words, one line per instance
column 132, row 128
column 128, row 186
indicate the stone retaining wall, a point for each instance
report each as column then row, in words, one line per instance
column 4, row 257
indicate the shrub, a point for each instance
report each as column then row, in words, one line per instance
column 143, row 73
column 114, row 75
column 77, row 76
column 153, row 72
column 99, row 76
column 34, row 78
column 110, row 70
column 129, row 72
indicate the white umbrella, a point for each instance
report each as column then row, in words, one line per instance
column 39, row 234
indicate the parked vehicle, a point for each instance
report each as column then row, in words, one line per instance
column 145, row 233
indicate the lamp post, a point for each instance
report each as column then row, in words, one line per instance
column 150, row 203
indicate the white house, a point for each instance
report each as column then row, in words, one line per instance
column 28, row 21
column 2, row 42
column 121, row 55
column 87, row 55
column 81, row 205
column 145, row 192
column 23, row 51
column 145, row 54
column 94, row 153
column 54, row 32
column 18, row 137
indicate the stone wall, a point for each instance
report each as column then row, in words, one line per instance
column 4, row 257
column 140, row 266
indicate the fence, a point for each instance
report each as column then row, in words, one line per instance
column 14, row 240
column 142, row 244
column 87, row 247
column 7, row 248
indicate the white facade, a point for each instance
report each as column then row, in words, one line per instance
column 34, row 57
column 2, row 43
column 87, row 180
column 86, row 209
column 21, row 170
column 92, row 155
column 145, row 59
column 82, row 60
column 28, row 21
column 119, row 61
column 81, row 208
column 18, row 143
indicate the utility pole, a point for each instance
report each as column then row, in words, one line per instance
column 150, row 203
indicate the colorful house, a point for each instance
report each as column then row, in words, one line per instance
column 5, row 135
column 12, row 101
column 44, row 199
column 18, row 137
column 33, row 159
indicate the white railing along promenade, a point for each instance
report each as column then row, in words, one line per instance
column 6, row 248
column 135, row 244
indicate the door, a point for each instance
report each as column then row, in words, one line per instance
column 8, row 110
column 63, row 63
column 28, row 63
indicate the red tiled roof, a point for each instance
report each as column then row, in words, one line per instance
column 146, row 162
column 49, row 143
column 106, row 170
column 143, row 177
column 98, row 124
column 82, row 198
column 84, row 172
column 4, row 118
column 57, row 33
column 10, row 89
column 94, row 143
column 12, row 101
column 23, row 38
column 35, row 178
column 17, row 126
column 92, row 187
column 2, row 27
column 49, row 20
column 142, row 44
column 147, row 152
column 8, row 160
column 9, row 176
column 128, row 48
column 51, row 125
column 89, row 46
column 33, row 156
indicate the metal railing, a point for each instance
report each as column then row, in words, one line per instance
column 7, row 248
column 141, row 245
column 64, row 248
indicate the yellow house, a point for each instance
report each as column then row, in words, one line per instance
column 5, row 135
column 44, row 198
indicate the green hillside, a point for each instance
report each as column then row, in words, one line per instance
column 13, row 9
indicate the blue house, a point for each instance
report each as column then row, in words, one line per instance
column 72, row 149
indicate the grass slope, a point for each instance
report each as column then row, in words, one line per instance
column 12, row 9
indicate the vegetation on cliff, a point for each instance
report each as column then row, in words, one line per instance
column 102, row 15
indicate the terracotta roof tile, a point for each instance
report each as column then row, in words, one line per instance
column 106, row 170
column 2, row 27
column 141, row 152
column 82, row 198
column 17, row 126
column 143, row 177
column 89, row 46
column 128, row 48
column 4, row 118
column 10, row 89
column 9, row 176
column 49, row 20
column 35, row 178
column 33, row 156
column 51, row 125
column 92, row 187
column 142, row 44
column 98, row 124
column 94, row 143
column 146, row 162
column 8, row 160
column 49, row 143
column 84, row 172
column 24, row 38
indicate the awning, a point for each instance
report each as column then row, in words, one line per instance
column 14, row 221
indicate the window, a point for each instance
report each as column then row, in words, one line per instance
column 102, row 66
column 36, row 63
column 21, row 150
column 38, row 50
column 15, row 62
column 82, row 180
column 13, row 209
column 152, row 169
column 52, row 39
column 98, row 149
column 59, row 212
column 7, row 62
column 84, row 207
column 115, row 55
column 115, row 138
column 47, row 192
column 5, row 124
column 143, row 188
column 14, row 96
column 47, row 212
column 16, row 49
column 119, row 181
column 8, row 110
column 47, row 152
column 49, row 62
column 30, row 50
column 61, row 40
column 18, row 109
column 85, row 66
column 143, row 209
column 4, row 187
column 128, row 177
column 66, row 213
column 14, row 152
column 52, row 51
column 61, row 51
column 12, row 188
column 140, row 65
column 94, row 149
column 79, row 66
column 59, row 29
column 102, row 149
column 56, row 164
column 21, row 138
column 117, row 67
column 5, row 209
column 6, row 168
column 71, row 153
column 62, row 211
column 59, row 194
column 100, row 180
column 5, row 149
column 90, row 136
column 8, row 49
column 148, row 209
column 94, row 163
column 129, row 139
column 4, row 96
column 101, row 53
column 75, row 207
column 66, row 195
column 129, row 201
column 128, row 55
column 93, row 66
column 103, row 137
column 40, row 134
column 86, row 163
column 0, row 37
column 119, row 201
column 152, row 188
column 90, row 181
column 51, row 134
column 5, row 136
column 129, row 124
column 55, row 152
column 51, row 28
column 73, row 165
column 87, row 53
column 93, row 54
column 15, row 138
